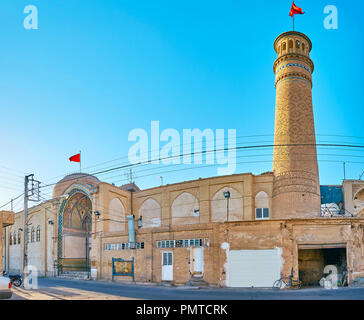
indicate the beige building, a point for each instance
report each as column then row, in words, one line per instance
column 6, row 219
column 242, row 230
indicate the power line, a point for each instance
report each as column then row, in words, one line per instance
column 11, row 200
column 219, row 150
column 241, row 156
column 202, row 141
column 208, row 151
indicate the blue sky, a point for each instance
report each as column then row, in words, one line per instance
column 96, row 70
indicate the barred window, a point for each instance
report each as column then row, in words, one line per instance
column 182, row 243
column 32, row 235
column 38, row 234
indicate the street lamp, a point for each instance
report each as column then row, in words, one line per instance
column 227, row 197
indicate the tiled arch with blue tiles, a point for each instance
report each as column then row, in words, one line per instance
column 72, row 190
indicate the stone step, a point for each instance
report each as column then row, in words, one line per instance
column 74, row 275
column 197, row 281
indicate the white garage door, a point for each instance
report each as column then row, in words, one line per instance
column 254, row 268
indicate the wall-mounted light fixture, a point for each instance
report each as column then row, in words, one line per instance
column 140, row 222
column 50, row 222
column 227, row 197
column 97, row 214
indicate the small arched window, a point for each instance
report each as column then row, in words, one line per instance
column 19, row 237
column 11, row 239
column 303, row 47
column 290, row 44
column 261, row 205
column 284, row 46
column 38, row 233
column 298, row 44
column 33, row 235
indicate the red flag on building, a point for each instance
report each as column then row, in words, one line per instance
column 76, row 158
column 295, row 10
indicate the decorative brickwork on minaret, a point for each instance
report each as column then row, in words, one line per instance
column 296, row 188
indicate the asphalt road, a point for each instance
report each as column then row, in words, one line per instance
column 60, row 289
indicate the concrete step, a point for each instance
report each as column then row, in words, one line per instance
column 197, row 281
column 74, row 275
column 358, row 282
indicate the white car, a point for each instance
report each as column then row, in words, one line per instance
column 5, row 288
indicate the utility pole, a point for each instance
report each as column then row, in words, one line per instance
column 25, row 229
column 344, row 171
column 32, row 195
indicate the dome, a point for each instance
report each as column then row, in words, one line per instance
column 130, row 187
column 74, row 178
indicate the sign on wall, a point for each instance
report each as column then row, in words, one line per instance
column 122, row 267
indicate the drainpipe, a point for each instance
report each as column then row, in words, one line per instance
column 45, row 243
column 131, row 224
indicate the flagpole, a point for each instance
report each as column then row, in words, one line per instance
column 80, row 161
column 293, row 22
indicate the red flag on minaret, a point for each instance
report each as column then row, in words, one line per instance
column 295, row 10
column 76, row 158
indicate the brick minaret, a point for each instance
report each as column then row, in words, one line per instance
column 296, row 189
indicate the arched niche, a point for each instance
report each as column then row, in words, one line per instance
column 358, row 202
column 77, row 213
column 116, row 220
column 185, row 209
column 151, row 213
column 222, row 211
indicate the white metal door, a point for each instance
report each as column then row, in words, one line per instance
column 254, row 268
column 197, row 260
column 167, row 266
